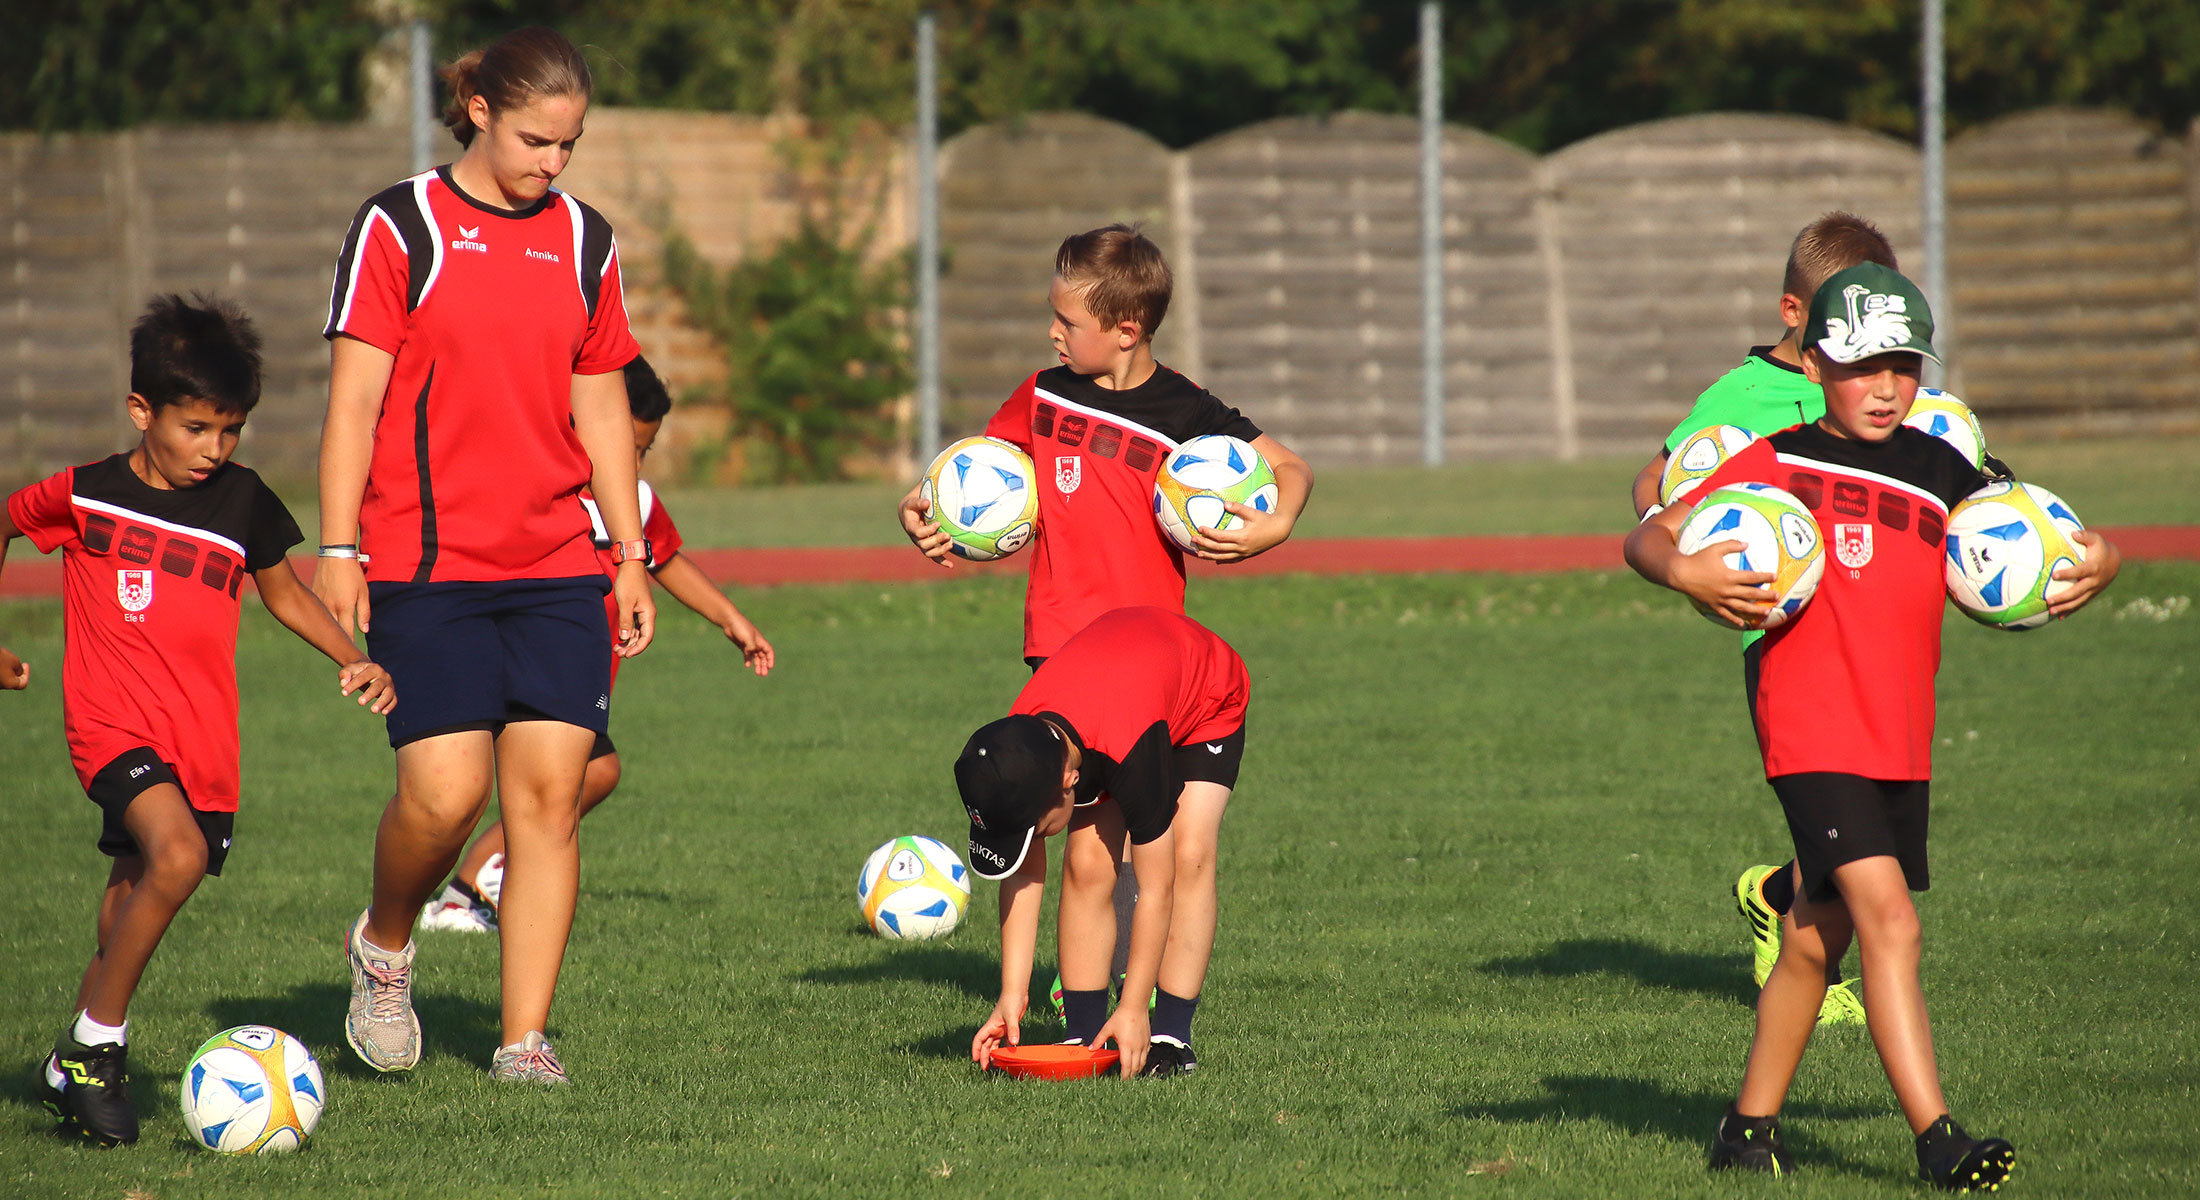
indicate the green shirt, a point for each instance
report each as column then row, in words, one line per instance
column 1763, row 395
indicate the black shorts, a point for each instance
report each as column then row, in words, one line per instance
column 603, row 748
column 483, row 655
column 1212, row 762
column 131, row 774
column 1838, row 819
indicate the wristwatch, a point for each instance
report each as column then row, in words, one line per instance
column 636, row 550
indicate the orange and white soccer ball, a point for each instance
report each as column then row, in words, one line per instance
column 1699, row 457
column 252, row 1090
column 913, row 889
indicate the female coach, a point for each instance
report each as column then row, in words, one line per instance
column 477, row 329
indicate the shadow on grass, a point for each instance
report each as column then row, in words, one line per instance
column 1643, row 1108
column 975, row 974
column 1725, row 976
column 315, row 1013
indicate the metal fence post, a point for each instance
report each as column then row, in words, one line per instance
column 420, row 81
column 1933, row 189
column 1432, row 236
column 928, row 239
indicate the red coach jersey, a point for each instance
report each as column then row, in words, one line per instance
column 1097, row 452
column 477, row 470
column 150, row 581
column 1132, row 686
column 664, row 542
column 1847, row 685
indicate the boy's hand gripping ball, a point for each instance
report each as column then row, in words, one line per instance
column 983, row 497
column 1202, row 475
column 2005, row 540
column 1779, row 536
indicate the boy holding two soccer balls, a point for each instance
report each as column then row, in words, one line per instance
column 1844, row 709
column 1098, row 427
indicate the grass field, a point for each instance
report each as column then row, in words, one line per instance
column 1475, row 937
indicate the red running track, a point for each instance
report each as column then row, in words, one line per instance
column 1321, row 556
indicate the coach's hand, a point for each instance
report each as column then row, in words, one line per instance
column 1005, row 1024
column 1739, row 598
column 2086, row 579
column 1261, row 532
column 15, row 674
column 341, row 584
column 916, row 521
column 637, row 608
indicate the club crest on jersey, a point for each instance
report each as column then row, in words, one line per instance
column 1852, row 545
column 465, row 240
column 1069, row 471
column 134, row 589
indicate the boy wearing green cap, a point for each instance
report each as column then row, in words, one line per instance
column 1843, row 704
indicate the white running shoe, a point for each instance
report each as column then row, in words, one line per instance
column 381, row 1026
column 458, row 911
column 528, row 1060
column 489, row 882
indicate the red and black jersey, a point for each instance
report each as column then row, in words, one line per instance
column 1097, row 452
column 664, row 542
column 1131, row 686
column 477, row 470
column 150, row 586
column 1847, row 686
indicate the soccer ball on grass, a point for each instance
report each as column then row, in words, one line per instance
column 252, row 1090
column 913, row 889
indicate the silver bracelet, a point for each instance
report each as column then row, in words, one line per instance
column 344, row 550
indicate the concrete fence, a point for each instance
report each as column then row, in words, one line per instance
column 1589, row 293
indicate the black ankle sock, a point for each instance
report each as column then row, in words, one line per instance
column 1732, row 1125
column 1172, row 1015
column 1779, row 888
column 1084, row 1013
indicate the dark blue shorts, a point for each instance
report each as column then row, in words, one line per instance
column 482, row 655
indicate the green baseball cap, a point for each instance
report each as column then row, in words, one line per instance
column 1869, row 309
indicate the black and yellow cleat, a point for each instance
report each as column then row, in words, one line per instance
column 95, row 1091
column 1954, row 1161
column 1750, row 1144
column 51, row 1099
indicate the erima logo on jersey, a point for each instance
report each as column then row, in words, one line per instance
column 545, row 255
column 465, row 240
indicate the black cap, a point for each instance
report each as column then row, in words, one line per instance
column 1009, row 773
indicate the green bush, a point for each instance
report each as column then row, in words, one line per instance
column 814, row 349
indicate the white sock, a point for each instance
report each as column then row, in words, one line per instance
column 54, row 1078
column 91, row 1033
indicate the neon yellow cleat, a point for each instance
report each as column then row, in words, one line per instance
column 1764, row 924
column 1842, row 1005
